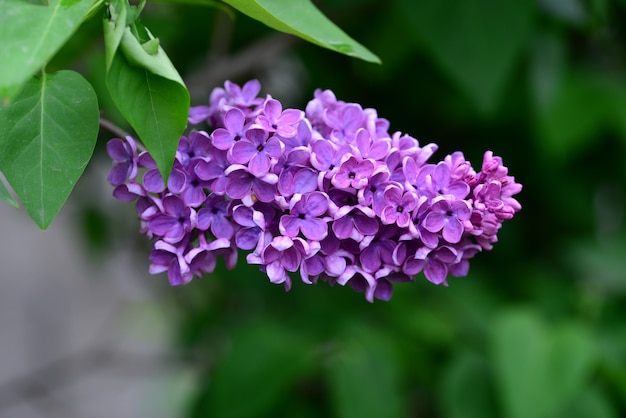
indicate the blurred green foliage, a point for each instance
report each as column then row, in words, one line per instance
column 536, row 329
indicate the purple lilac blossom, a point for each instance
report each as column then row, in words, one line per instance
column 328, row 192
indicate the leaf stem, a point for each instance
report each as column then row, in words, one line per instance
column 116, row 130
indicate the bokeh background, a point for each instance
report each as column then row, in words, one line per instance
column 536, row 330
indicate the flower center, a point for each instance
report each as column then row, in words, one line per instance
column 352, row 175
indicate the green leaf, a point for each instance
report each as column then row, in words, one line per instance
column 30, row 35
column 365, row 377
column 263, row 362
column 303, row 19
column 467, row 389
column 540, row 369
column 47, row 136
column 153, row 59
column 114, row 29
column 592, row 402
column 145, row 86
column 156, row 108
column 567, row 124
column 5, row 196
column 475, row 42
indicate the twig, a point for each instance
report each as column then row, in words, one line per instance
column 256, row 55
column 113, row 128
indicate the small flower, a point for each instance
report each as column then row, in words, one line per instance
column 448, row 216
column 242, row 184
column 170, row 258
column 215, row 216
column 124, row 156
column 396, row 206
column 353, row 173
column 175, row 222
column 274, row 119
column 257, row 151
column 304, row 216
column 234, row 129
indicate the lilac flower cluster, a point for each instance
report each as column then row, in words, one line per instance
column 328, row 192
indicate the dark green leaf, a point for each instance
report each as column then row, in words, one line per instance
column 303, row 19
column 540, row 370
column 567, row 124
column 467, row 390
column 30, row 35
column 145, row 86
column 365, row 378
column 475, row 42
column 156, row 107
column 263, row 361
column 592, row 402
column 47, row 136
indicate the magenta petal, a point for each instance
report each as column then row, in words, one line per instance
column 276, row 272
column 290, row 117
column 379, row 150
column 193, row 196
column 222, row 139
column 370, row 259
column 160, row 224
column 453, row 230
column 234, row 120
column 384, row 290
column 289, row 225
column 117, row 150
column 272, row 109
column 222, row 227
column 176, row 181
column 272, row 147
column 436, row 272
column 343, row 227
column 153, row 182
column 335, row 265
column 250, row 90
column 264, row 191
column 365, row 225
column 434, row 221
column 459, row 189
column 291, row 259
column 315, row 229
column 316, row 204
column 323, row 154
column 242, row 152
column 441, row 174
column 238, row 185
column 259, row 164
column 247, row 238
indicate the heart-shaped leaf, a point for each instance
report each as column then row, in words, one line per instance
column 303, row 19
column 30, row 34
column 47, row 137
